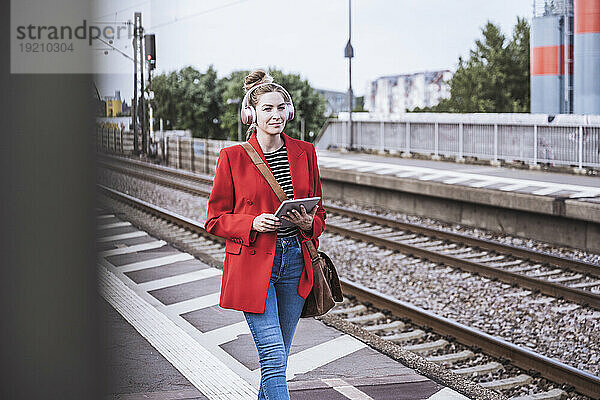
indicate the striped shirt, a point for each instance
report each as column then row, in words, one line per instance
column 278, row 161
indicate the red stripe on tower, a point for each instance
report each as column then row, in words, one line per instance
column 587, row 16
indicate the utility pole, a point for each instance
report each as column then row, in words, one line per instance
column 150, row 52
column 143, row 97
column 137, row 20
column 138, row 61
column 349, row 53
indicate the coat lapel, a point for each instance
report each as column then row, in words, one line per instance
column 298, row 166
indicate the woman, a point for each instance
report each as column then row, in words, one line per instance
column 267, row 272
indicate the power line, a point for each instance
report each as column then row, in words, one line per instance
column 108, row 44
column 127, row 8
column 197, row 14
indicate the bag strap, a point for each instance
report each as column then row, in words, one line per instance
column 266, row 172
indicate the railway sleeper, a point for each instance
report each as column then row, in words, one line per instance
column 508, row 383
column 548, row 273
column 526, row 268
column 416, row 240
column 395, row 325
column 401, row 237
column 429, row 245
column 451, row 357
column 405, row 336
column 363, row 319
column 472, row 255
column 379, row 231
column 391, row 235
column 566, row 278
column 443, row 248
column 352, row 224
column 584, row 285
column 351, row 310
column 549, row 395
column 488, row 259
column 480, row 369
column 506, row 263
column 458, row 251
column 427, row 346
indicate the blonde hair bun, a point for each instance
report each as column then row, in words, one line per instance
column 256, row 77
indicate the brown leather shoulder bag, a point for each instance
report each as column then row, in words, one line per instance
column 326, row 288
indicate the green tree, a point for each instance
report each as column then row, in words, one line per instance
column 495, row 77
column 190, row 100
column 232, row 88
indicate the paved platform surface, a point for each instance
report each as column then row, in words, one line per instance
column 475, row 176
column 167, row 338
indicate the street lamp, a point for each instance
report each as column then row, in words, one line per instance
column 239, row 121
column 349, row 53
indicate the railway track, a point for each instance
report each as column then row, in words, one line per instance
column 556, row 276
column 490, row 361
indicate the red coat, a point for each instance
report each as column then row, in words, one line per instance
column 239, row 194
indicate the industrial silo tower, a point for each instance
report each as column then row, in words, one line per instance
column 587, row 57
column 551, row 58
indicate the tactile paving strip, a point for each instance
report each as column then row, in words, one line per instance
column 210, row 375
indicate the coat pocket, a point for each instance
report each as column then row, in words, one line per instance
column 232, row 247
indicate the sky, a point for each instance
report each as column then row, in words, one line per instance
column 306, row 37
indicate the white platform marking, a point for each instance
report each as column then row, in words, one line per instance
column 347, row 390
column 516, row 186
column 227, row 333
column 546, row 190
column 133, row 249
column 206, row 372
column 179, row 279
column 447, row 394
column 104, row 216
column 388, row 170
column 456, row 177
column 129, row 235
column 484, row 182
column 195, row 304
column 114, row 225
column 321, row 354
column 432, row 176
column 155, row 262
column 406, row 174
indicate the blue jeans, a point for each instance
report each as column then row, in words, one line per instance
column 274, row 329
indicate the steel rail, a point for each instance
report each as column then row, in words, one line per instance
column 563, row 262
column 554, row 370
column 550, row 288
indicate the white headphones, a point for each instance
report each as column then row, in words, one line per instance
column 248, row 113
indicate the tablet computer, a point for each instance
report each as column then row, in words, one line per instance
column 288, row 205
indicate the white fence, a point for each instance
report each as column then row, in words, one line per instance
column 564, row 143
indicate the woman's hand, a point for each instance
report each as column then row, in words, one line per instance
column 303, row 219
column 265, row 223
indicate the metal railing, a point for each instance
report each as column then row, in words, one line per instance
column 558, row 144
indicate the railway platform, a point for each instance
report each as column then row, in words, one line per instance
column 167, row 338
column 552, row 207
column 467, row 175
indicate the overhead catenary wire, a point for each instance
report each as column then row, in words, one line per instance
column 179, row 19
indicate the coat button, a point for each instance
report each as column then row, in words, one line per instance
column 249, row 202
column 252, row 251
